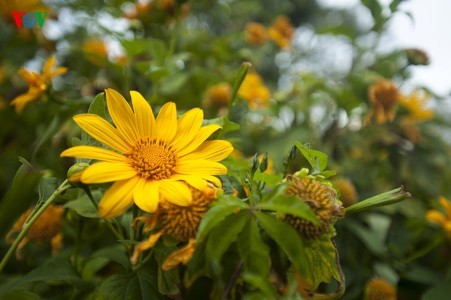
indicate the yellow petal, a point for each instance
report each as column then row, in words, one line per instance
column 58, row 71
column 102, row 131
column 188, row 126
column 107, row 171
column 22, row 100
column 145, row 119
column 48, row 65
column 166, row 122
column 200, row 137
column 147, row 195
column 28, row 76
column 196, row 182
column 175, row 192
column 117, row 198
column 182, row 255
column 435, row 216
column 143, row 246
column 94, row 153
column 211, row 150
column 446, row 204
column 213, row 179
column 200, row 167
column 122, row 115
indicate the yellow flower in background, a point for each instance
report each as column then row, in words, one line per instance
column 281, row 31
column 47, row 228
column 38, row 83
column 218, row 95
column 383, row 95
column 179, row 222
column 348, row 192
column 139, row 10
column 152, row 157
column 256, row 34
column 380, row 289
column 96, row 51
column 254, row 91
column 415, row 104
column 440, row 218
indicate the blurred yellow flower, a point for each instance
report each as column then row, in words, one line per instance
column 254, row 91
column 138, row 10
column 281, row 31
column 383, row 95
column 415, row 103
column 95, row 51
column 441, row 218
column 179, row 222
column 380, row 289
column 47, row 228
column 218, row 95
column 348, row 193
column 38, row 83
column 153, row 158
column 256, row 34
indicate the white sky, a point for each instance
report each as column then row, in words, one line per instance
column 430, row 31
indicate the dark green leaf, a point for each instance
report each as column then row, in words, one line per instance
column 116, row 254
column 84, row 207
column 238, row 81
column 267, row 289
column 20, row 295
column 290, row 205
column 168, row 281
column 285, row 236
column 120, row 287
column 147, row 282
column 47, row 187
column 221, row 208
column 174, row 82
column 316, row 159
column 253, row 252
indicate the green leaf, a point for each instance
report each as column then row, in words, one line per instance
column 238, row 81
column 57, row 269
column 320, row 260
column 84, row 207
column 267, row 289
column 168, row 281
column 225, row 123
column 268, row 179
column 120, row 287
column 116, row 254
column 224, row 234
column 221, row 208
column 394, row 5
column 290, row 205
column 147, row 284
column 285, row 236
column 174, row 82
column 158, row 50
column 316, row 159
column 96, row 107
column 442, row 290
column 20, row 295
column 253, row 252
column 47, row 187
column 51, row 129
column 92, row 266
column 383, row 199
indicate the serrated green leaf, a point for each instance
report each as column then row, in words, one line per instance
column 221, row 208
column 120, row 287
column 253, row 252
column 285, row 236
column 268, row 179
column 290, row 205
column 224, row 234
column 267, row 289
column 316, row 159
column 320, row 260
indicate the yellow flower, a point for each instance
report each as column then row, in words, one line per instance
column 254, row 91
column 440, row 218
column 380, row 289
column 152, row 158
column 348, row 193
column 38, row 83
column 95, row 51
column 255, row 34
column 415, row 104
column 218, row 95
column 383, row 96
column 179, row 222
column 281, row 31
column 46, row 228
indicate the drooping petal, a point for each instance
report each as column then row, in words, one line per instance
column 145, row 119
column 200, row 137
column 175, row 192
column 200, row 167
column 166, row 122
column 196, row 182
column 145, row 245
column 22, row 100
column 101, row 172
column 188, row 126
column 117, row 198
column 48, row 65
column 211, row 150
column 94, row 153
column 102, row 131
column 147, row 195
column 29, row 77
column 122, row 115
column 182, row 255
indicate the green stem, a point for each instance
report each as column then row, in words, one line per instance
column 110, row 226
column 26, row 226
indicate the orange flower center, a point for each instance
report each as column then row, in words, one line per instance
column 153, row 158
